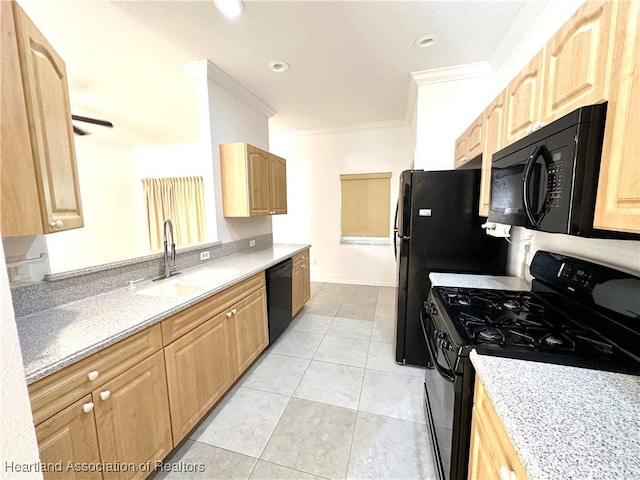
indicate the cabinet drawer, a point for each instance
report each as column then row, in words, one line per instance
column 179, row 324
column 59, row 390
column 300, row 257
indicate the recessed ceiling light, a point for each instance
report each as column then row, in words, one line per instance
column 278, row 66
column 230, row 8
column 424, row 41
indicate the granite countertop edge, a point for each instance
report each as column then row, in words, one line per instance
column 464, row 280
column 552, row 417
column 178, row 304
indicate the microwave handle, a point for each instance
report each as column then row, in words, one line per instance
column 528, row 170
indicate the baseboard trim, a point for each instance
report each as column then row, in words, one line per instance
column 352, row 282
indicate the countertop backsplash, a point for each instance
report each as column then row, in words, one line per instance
column 62, row 288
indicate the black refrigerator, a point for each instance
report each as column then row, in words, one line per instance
column 437, row 229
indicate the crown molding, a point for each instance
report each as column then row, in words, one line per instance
column 346, row 128
column 449, row 74
column 202, row 68
column 528, row 12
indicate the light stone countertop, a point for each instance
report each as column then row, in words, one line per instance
column 54, row 338
column 566, row 422
column 478, row 281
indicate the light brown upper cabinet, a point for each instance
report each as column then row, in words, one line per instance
column 493, row 123
column 254, row 182
column 618, row 200
column 469, row 144
column 40, row 191
column 523, row 101
column 461, row 150
column 577, row 61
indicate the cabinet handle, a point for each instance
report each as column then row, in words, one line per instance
column 537, row 125
column 229, row 314
column 87, row 407
column 504, row 473
column 57, row 224
column 93, row 375
column 104, row 395
column 233, row 311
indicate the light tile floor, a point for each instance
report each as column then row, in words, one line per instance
column 326, row 400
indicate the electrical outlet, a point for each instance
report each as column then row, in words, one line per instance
column 204, row 255
column 314, row 261
column 252, row 243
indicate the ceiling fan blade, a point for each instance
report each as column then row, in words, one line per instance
column 79, row 131
column 95, row 121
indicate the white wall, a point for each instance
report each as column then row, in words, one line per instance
column 444, row 111
column 17, row 435
column 109, row 193
column 314, row 164
column 621, row 254
column 224, row 118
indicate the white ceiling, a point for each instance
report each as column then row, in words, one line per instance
column 350, row 60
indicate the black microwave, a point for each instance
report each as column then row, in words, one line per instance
column 548, row 180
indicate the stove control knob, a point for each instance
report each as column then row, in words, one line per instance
column 431, row 309
column 446, row 344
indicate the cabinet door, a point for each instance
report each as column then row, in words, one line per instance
column 306, row 283
column 49, row 114
column 618, row 199
column 576, row 61
column 132, row 417
column 474, row 139
column 493, row 130
column 484, row 459
column 297, row 290
column 278, row 185
column 250, row 330
column 258, row 164
column 523, row 100
column 491, row 453
column 199, row 371
column 70, row 436
column 461, row 150
column 19, row 196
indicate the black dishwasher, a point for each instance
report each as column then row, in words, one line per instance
column 279, row 280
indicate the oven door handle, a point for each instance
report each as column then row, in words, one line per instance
column 441, row 371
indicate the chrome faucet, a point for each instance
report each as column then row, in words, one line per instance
column 169, row 256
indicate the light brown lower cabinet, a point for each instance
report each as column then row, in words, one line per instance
column 132, row 418
column 124, row 421
column 134, row 401
column 491, row 454
column 250, row 332
column 301, row 282
column 70, row 436
column 199, row 371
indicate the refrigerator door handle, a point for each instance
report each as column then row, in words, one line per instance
column 395, row 222
column 395, row 245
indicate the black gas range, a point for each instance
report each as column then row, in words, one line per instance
column 577, row 313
